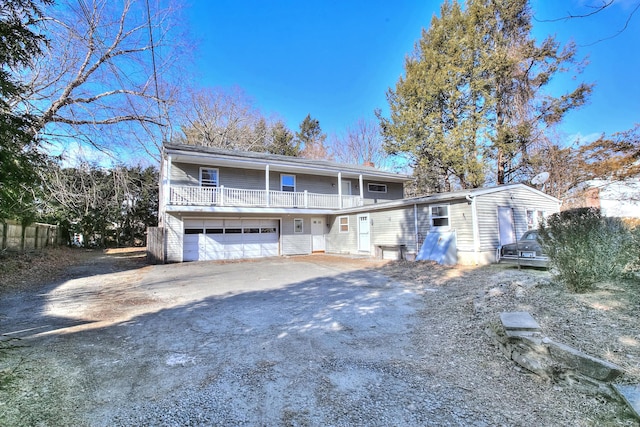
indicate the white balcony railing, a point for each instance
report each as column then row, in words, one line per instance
column 222, row 196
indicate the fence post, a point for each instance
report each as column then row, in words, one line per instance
column 4, row 235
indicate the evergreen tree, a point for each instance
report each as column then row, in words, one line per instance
column 282, row 141
column 434, row 108
column 20, row 159
column 311, row 139
column 473, row 98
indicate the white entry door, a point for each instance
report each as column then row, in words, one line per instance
column 506, row 225
column 317, row 235
column 364, row 235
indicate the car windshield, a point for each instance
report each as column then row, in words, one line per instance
column 531, row 235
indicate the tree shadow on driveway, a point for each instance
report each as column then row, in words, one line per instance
column 185, row 344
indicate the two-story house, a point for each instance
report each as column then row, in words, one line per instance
column 219, row 204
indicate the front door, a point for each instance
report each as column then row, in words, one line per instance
column 364, row 236
column 317, row 235
column 346, row 187
column 506, row 225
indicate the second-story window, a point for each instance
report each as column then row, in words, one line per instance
column 287, row 182
column 208, row 177
column 377, row 188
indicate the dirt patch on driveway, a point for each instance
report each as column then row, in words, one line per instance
column 305, row 341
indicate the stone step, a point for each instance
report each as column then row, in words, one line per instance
column 519, row 321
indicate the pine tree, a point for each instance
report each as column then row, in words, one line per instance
column 472, row 98
column 20, row 158
column 282, row 141
column 311, row 139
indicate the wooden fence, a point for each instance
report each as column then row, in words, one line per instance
column 155, row 245
column 36, row 236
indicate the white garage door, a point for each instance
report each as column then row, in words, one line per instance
column 220, row 239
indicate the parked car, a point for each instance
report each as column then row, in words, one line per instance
column 527, row 251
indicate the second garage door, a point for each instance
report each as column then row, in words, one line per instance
column 221, row 239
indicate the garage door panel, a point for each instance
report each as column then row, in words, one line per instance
column 218, row 239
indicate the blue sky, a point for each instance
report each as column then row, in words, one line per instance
column 336, row 59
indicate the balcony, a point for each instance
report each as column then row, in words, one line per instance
column 222, row 196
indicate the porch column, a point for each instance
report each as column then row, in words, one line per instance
column 266, row 184
column 361, row 187
column 340, row 190
column 167, row 183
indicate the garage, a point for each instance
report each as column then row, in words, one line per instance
column 222, row 239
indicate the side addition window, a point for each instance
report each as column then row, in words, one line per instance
column 439, row 216
column 344, row 224
column 534, row 218
column 297, row 225
column 288, row 183
column 208, row 177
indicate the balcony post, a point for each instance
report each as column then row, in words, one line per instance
column 306, row 199
column 222, row 195
column 266, row 185
column 340, row 190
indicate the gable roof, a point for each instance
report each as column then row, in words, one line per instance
column 255, row 160
column 452, row 195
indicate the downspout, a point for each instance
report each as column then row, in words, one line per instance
column 415, row 225
column 476, row 232
column 166, row 200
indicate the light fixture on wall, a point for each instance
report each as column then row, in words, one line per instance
column 333, row 185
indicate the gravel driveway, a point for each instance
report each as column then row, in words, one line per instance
column 301, row 341
column 271, row 342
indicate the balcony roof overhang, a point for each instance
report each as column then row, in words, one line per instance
column 258, row 161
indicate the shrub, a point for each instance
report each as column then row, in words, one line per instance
column 585, row 248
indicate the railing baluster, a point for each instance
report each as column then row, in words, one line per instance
column 221, row 196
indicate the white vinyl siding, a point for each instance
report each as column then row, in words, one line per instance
column 519, row 200
column 295, row 243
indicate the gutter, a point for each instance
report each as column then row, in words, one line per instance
column 474, row 221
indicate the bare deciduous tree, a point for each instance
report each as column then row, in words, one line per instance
column 362, row 144
column 105, row 77
column 216, row 117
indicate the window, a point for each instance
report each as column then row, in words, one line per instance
column 297, row 225
column 439, row 216
column 344, row 224
column 288, row 183
column 208, row 177
column 377, row 188
column 534, row 218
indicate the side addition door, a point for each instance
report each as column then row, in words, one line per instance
column 364, row 235
column 506, row 225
